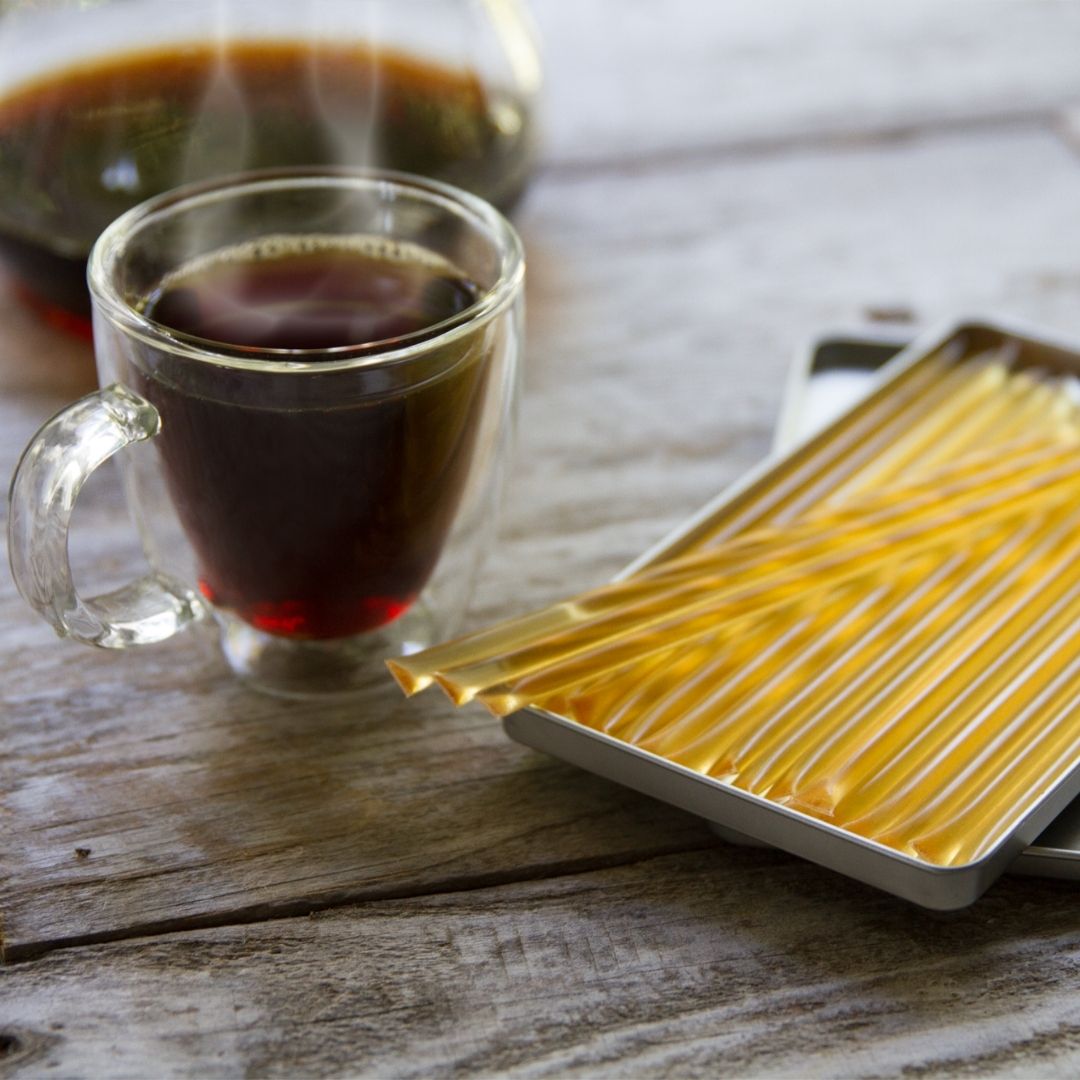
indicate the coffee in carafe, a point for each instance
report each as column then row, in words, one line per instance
column 81, row 141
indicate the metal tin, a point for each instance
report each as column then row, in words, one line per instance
column 734, row 812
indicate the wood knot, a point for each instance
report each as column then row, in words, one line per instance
column 19, row 1046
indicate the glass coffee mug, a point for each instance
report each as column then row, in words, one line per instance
column 312, row 379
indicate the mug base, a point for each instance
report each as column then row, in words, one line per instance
column 342, row 667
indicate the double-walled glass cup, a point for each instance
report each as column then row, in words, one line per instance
column 325, row 506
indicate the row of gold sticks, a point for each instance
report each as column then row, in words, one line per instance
column 877, row 634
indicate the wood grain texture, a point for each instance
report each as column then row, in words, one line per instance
column 723, row 182
column 653, row 386
column 640, row 80
column 727, row 963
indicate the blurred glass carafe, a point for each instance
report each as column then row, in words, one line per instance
column 106, row 102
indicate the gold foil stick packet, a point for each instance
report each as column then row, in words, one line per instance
column 631, row 700
column 733, row 586
column 956, row 491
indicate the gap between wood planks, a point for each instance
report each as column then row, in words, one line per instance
column 258, row 913
column 1067, row 128
column 1053, row 121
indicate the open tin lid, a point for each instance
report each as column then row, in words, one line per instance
column 765, row 820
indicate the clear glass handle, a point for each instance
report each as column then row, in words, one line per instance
column 47, row 481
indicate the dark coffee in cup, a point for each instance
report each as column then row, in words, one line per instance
column 327, row 521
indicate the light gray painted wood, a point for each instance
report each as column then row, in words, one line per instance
column 646, row 80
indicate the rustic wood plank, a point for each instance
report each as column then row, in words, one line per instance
column 727, row 963
column 197, row 798
column 665, row 306
column 722, row 182
column 630, row 79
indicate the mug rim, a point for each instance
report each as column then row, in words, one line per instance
column 110, row 246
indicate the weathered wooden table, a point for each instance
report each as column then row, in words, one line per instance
column 391, row 888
